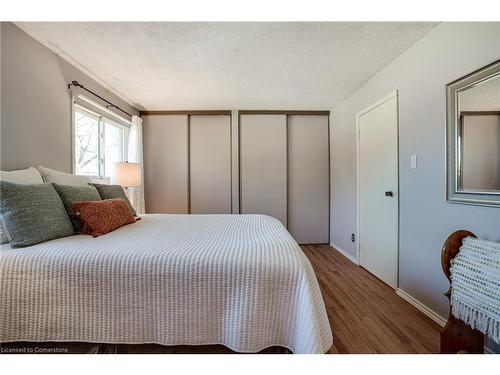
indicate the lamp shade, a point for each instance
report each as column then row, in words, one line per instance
column 126, row 174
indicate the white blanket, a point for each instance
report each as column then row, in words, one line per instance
column 475, row 286
column 237, row 280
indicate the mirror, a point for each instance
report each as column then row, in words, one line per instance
column 479, row 137
column 473, row 132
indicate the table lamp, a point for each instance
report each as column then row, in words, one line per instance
column 126, row 174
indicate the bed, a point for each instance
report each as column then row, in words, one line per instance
column 236, row 280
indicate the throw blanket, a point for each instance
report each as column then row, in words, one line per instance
column 237, row 280
column 475, row 286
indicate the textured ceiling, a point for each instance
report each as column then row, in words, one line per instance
column 270, row 65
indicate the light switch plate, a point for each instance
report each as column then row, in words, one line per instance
column 413, row 161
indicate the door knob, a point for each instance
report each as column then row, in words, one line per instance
column 389, row 194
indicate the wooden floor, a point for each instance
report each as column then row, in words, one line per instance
column 365, row 314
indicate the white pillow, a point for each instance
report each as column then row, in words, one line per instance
column 21, row 176
column 62, row 178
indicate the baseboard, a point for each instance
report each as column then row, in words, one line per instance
column 420, row 306
column 344, row 253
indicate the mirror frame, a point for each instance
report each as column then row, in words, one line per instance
column 453, row 195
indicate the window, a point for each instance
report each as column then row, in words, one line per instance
column 114, row 144
column 100, row 140
column 86, row 143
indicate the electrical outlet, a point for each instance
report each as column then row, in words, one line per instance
column 353, row 237
column 413, row 161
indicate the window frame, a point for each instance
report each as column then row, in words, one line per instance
column 103, row 115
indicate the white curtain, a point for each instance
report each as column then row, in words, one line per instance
column 136, row 194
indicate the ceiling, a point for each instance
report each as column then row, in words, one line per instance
column 193, row 65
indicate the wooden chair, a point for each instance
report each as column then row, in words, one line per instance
column 456, row 336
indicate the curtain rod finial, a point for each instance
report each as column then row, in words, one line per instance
column 74, row 83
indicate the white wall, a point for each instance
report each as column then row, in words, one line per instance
column 420, row 75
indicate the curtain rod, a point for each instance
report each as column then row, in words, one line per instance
column 110, row 105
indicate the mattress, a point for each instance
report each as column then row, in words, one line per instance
column 236, row 280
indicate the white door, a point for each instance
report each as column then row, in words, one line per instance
column 378, row 189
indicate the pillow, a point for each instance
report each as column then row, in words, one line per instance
column 114, row 191
column 70, row 194
column 51, row 175
column 32, row 214
column 101, row 217
column 21, row 176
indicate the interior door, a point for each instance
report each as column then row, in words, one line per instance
column 308, row 179
column 378, row 189
column 166, row 164
column 210, row 164
column 263, row 165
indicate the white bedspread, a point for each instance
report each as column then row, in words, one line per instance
column 237, row 280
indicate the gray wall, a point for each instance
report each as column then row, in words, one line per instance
column 36, row 104
column 420, row 74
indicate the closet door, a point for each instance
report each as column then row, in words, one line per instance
column 166, row 163
column 210, row 164
column 308, row 179
column 263, row 165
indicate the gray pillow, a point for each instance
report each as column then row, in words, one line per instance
column 112, row 192
column 32, row 214
column 21, row 176
column 70, row 194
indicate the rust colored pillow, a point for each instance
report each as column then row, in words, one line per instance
column 101, row 217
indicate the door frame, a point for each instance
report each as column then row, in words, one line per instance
column 393, row 94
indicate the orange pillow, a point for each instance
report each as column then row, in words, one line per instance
column 101, row 217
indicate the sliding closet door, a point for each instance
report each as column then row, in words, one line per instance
column 263, row 165
column 308, row 178
column 210, row 164
column 166, row 163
